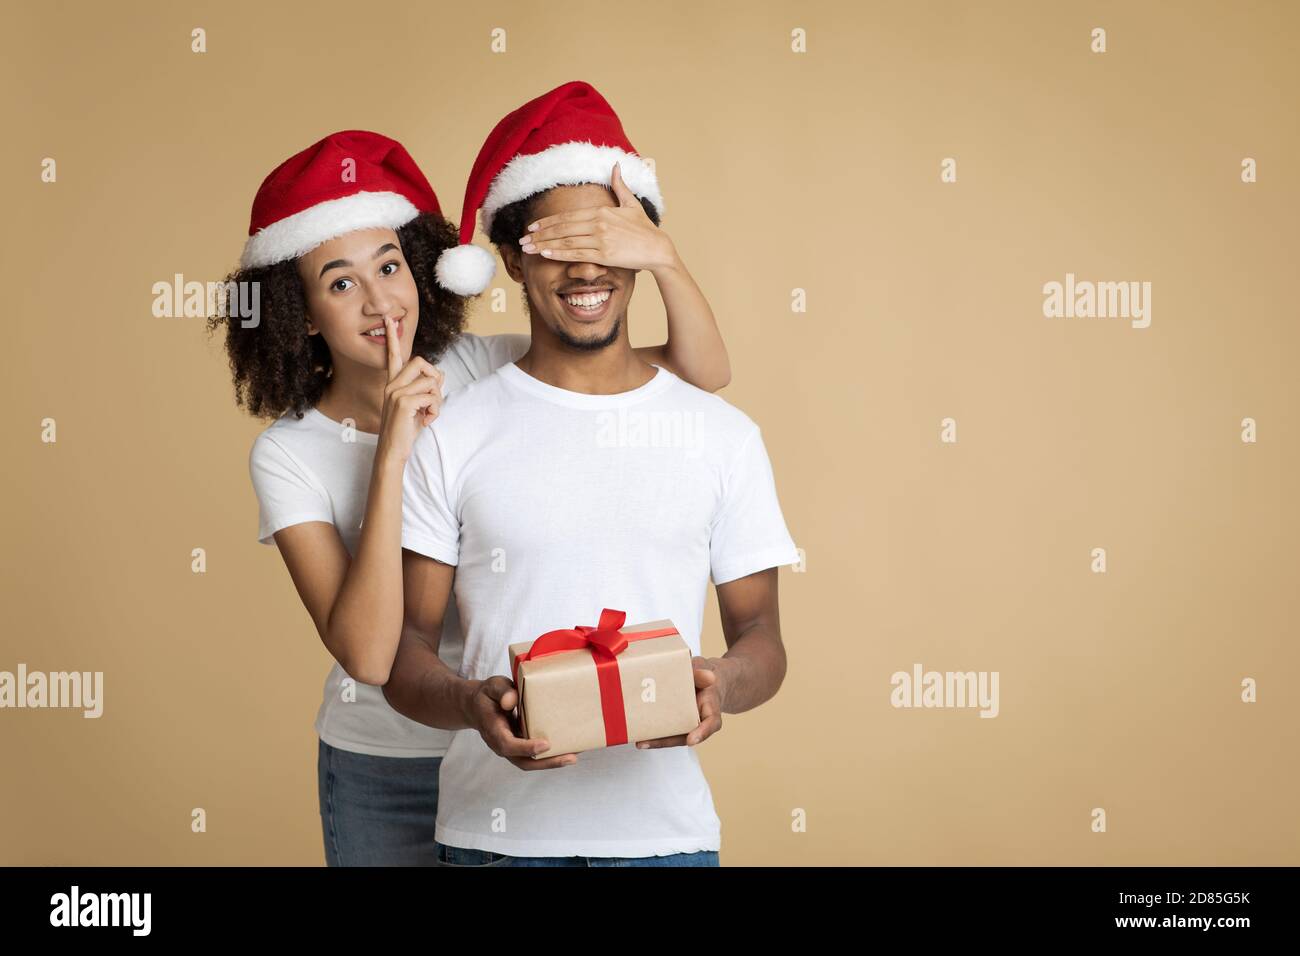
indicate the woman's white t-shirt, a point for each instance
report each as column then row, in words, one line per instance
column 314, row 469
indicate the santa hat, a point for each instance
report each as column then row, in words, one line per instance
column 566, row 137
column 348, row 181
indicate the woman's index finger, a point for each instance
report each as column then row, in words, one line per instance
column 394, row 350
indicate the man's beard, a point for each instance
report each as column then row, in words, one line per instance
column 579, row 345
column 591, row 345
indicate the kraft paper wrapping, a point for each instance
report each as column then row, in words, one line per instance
column 559, row 698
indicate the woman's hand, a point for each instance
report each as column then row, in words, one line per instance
column 621, row 236
column 412, row 398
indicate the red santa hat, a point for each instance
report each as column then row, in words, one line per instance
column 566, row 137
column 348, row 181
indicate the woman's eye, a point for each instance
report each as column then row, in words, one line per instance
column 388, row 268
column 338, row 285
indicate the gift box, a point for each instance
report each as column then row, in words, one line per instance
column 590, row 687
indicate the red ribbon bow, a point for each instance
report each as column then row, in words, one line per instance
column 606, row 642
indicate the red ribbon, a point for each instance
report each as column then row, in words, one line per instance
column 606, row 641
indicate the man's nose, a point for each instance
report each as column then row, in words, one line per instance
column 586, row 270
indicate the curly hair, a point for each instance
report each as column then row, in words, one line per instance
column 278, row 368
column 511, row 221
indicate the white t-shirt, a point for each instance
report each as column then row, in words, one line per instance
column 304, row 470
column 552, row 505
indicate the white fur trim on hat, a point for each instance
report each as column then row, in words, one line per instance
column 302, row 232
column 465, row 270
column 568, row 164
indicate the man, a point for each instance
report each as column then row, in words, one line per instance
column 579, row 477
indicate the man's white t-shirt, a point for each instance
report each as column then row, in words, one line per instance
column 553, row 505
column 313, row 469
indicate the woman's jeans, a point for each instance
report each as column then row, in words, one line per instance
column 377, row 811
column 380, row 811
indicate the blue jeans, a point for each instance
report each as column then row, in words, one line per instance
column 377, row 811
column 461, row 856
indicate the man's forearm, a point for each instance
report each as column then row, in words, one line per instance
column 424, row 689
column 752, row 669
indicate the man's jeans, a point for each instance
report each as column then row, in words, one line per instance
column 460, row 856
column 380, row 811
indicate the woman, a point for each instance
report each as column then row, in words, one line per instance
column 352, row 350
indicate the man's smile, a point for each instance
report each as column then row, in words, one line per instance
column 587, row 304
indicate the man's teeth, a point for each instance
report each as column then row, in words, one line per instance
column 588, row 300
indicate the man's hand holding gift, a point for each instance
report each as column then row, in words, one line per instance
column 488, row 710
column 710, row 693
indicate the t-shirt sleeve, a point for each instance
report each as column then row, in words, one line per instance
column 749, row 533
column 287, row 491
column 502, row 350
column 429, row 523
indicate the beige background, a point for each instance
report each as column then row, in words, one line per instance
column 817, row 171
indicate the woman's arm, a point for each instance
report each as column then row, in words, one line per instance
column 356, row 605
column 356, row 602
column 694, row 350
column 318, row 563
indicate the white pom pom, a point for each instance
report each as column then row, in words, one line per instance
column 465, row 270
